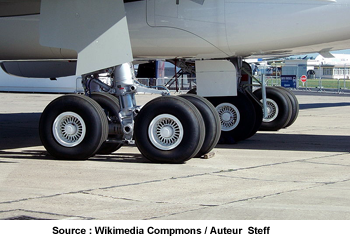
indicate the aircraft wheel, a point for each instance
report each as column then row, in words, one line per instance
column 279, row 109
column 211, row 121
column 111, row 107
column 237, row 116
column 295, row 105
column 169, row 130
column 73, row 127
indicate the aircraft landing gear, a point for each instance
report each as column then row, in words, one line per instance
column 240, row 114
column 167, row 129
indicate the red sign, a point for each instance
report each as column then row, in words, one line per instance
column 303, row 78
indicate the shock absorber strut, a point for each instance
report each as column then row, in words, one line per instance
column 125, row 90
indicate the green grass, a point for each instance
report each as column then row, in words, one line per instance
column 316, row 83
column 326, row 83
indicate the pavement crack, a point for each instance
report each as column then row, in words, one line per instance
column 279, row 163
column 205, row 206
column 265, row 180
column 79, row 191
column 174, row 214
column 110, row 197
column 332, row 164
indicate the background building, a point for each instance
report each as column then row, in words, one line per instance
column 319, row 67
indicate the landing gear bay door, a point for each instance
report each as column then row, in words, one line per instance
column 216, row 78
column 97, row 30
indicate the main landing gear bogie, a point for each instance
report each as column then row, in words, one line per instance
column 242, row 116
column 168, row 129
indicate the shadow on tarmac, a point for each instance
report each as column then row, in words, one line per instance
column 19, row 130
column 43, row 155
column 293, row 142
column 322, row 105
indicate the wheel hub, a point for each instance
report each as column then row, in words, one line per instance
column 69, row 129
column 229, row 116
column 272, row 110
column 226, row 117
column 165, row 132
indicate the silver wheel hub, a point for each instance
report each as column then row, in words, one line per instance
column 165, row 132
column 229, row 116
column 226, row 117
column 69, row 129
column 272, row 110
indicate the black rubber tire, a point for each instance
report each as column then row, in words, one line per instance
column 284, row 108
column 211, row 121
column 95, row 121
column 295, row 105
column 247, row 121
column 258, row 116
column 189, row 117
column 110, row 105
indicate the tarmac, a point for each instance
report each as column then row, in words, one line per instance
column 298, row 173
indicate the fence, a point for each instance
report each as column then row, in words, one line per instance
column 334, row 85
column 180, row 84
column 185, row 84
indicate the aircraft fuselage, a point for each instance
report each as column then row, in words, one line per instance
column 216, row 29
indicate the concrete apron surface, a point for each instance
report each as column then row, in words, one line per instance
column 302, row 172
